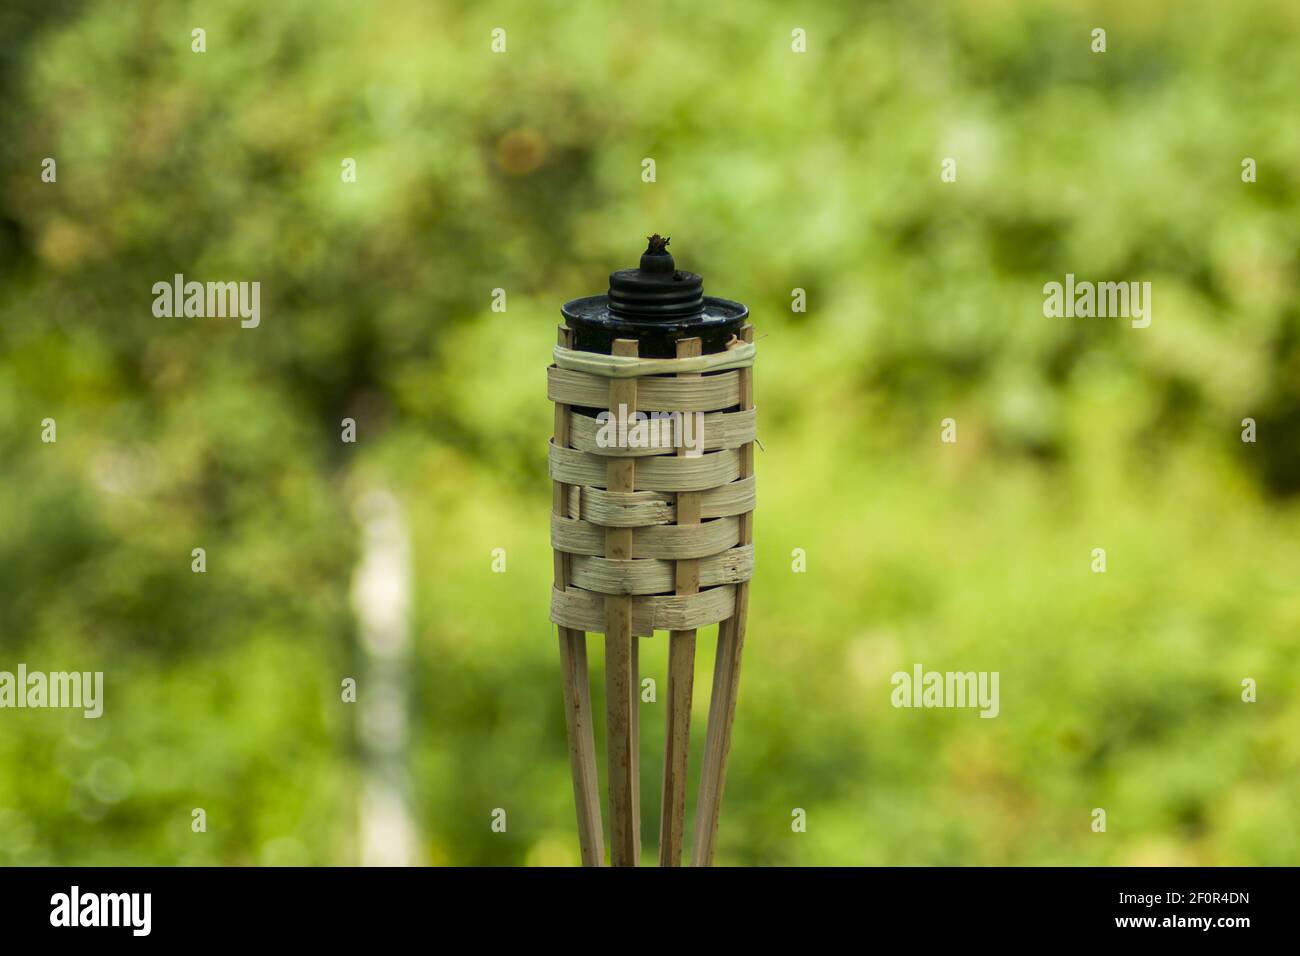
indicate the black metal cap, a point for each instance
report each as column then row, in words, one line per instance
column 657, row 289
column 656, row 304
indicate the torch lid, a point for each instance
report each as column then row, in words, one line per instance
column 657, row 304
column 656, row 288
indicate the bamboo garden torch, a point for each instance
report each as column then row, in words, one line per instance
column 653, row 470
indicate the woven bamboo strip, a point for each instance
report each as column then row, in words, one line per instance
column 623, row 366
column 669, row 542
column 656, row 576
column 726, row 674
column 721, row 430
column 622, row 647
column 709, row 393
column 733, row 498
column 637, row 509
column 621, row 509
column 653, row 474
column 577, row 687
column 584, row 610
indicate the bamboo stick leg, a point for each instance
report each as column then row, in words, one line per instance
column 704, row 805
column 681, row 661
column 621, row 745
column 726, row 672
column 681, row 681
column 576, row 680
column 582, row 745
column 621, row 655
column 634, row 705
column 717, row 747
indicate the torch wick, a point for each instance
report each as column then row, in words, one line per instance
column 658, row 245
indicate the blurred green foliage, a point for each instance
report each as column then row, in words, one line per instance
column 775, row 170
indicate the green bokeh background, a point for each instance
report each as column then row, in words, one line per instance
column 775, row 171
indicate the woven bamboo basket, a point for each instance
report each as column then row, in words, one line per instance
column 651, row 536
